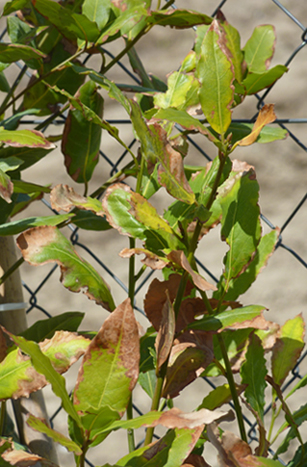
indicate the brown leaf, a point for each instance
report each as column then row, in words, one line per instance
column 25, row 459
column 190, row 307
column 180, row 259
column 230, row 447
column 266, row 115
column 151, row 260
column 191, row 354
column 64, row 197
column 175, row 418
column 259, row 322
column 164, row 339
column 155, row 297
column 195, row 460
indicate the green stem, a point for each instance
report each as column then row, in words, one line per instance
column 232, row 386
column 12, row 89
column 10, row 271
column 130, row 431
column 222, row 158
column 156, row 400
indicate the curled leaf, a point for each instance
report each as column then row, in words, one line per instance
column 64, row 197
column 266, row 115
column 151, row 259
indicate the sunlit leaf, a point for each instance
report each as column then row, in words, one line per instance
column 97, row 10
column 255, row 82
column 64, row 197
column 288, row 348
column 41, row 426
column 216, row 74
column 41, row 245
column 28, row 138
column 15, row 227
column 266, row 115
column 232, row 40
column 179, row 85
column 259, row 49
column 179, row 18
column 268, row 133
column 112, row 361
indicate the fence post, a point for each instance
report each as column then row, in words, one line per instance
column 13, row 318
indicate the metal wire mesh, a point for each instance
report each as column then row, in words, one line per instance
column 112, row 161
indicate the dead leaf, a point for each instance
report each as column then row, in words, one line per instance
column 25, row 459
column 175, row 418
column 195, row 460
column 192, row 352
column 266, row 115
column 64, row 197
column 164, row 339
column 156, row 296
column 151, row 259
column 179, row 258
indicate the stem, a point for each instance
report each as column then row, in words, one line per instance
column 130, row 431
column 12, row 89
column 10, row 271
column 232, row 387
column 156, row 400
column 222, row 158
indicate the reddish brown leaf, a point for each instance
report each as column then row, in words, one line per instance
column 191, row 354
column 151, row 260
column 266, row 115
column 25, row 459
column 179, row 258
column 155, row 297
column 175, row 418
column 164, row 340
column 259, row 322
column 194, row 460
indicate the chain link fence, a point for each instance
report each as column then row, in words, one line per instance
column 282, row 182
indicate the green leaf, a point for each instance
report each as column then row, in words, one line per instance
column 133, row 215
column 255, row 82
column 25, row 187
column 302, row 383
column 96, row 424
column 299, row 416
column 81, row 137
column 228, row 318
column 42, row 364
column 179, row 85
column 216, row 74
column 178, row 18
column 41, row 245
column 14, row 5
column 10, row 53
column 10, row 163
column 45, row 328
column 148, row 382
column 259, row 49
column 217, row 397
column 264, row 462
column 19, row 31
column 15, row 227
column 112, row 361
column 242, row 283
column 240, row 221
column 90, row 221
column 97, row 10
column 267, row 134
column 287, row 348
column 300, row 457
column 41, row 426
column 11, row 123
column 28, row 138
column 253, row 373
column 71, row 25
column 29, row 155
column 130, row 22
column 169, row 451
column 233, row 44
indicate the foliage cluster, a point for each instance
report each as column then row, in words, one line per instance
column 196, row 328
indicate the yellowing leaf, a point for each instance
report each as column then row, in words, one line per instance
column 265, row 116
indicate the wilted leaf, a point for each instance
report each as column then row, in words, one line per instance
column 179, row 258
column 216, row 74
column 259, row 49
column 22, row 458
column 42, row 245
column 112, row 361
column 15, row 227
column 6, row 187
column 151, row 260
column 64, row 197
column 165, row 336
column 19, row 378
column 253, row 372
column 191, row 354
column 288, row 347
column 40, row 425
column 81, row 137
column 266, row 115
column 28, row 138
